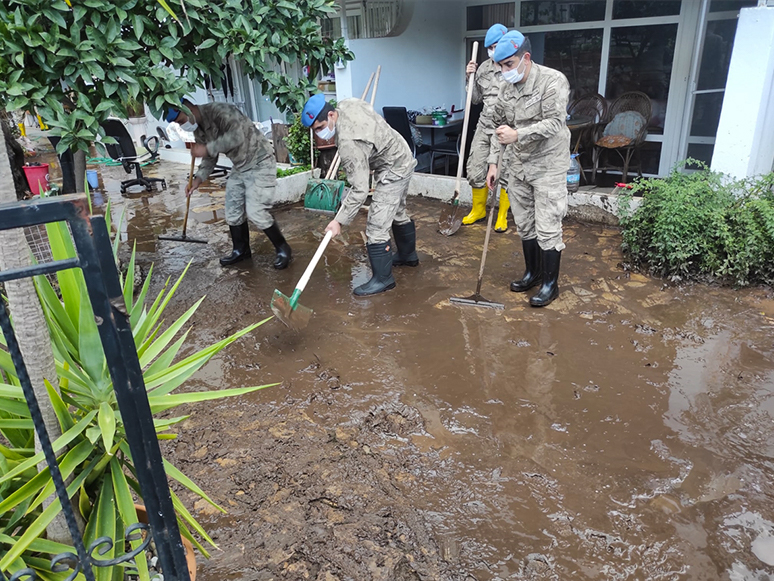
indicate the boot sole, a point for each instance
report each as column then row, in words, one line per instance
column 526, row 288
column 475, row 222
column 232, row 262
column 501, row 231
column 546, row 303
column 411, row 263
column 385, row 289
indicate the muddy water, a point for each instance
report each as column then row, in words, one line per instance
column 624, row 432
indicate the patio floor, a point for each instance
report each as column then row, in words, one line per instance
column 624, row 432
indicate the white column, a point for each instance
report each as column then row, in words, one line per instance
column 745, row 140
column 343, row 70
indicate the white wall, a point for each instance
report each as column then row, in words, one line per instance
column 423, row 67
column 745, row 139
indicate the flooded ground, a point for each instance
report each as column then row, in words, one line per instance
column 624, row 432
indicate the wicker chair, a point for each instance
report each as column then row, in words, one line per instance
column 594, row 106
column 625, row 131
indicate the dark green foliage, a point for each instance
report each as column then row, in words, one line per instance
column 694, row 225
column 78, row 61
column 298, row 142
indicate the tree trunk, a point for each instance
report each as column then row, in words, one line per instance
column 79, row 160
column 15, row 155
column 31, row 329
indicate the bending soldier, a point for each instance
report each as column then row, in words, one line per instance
column 531, row 116
column 222, row 128
column 366, row 142
column 486, row 80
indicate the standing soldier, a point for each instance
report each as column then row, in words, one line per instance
column 222, row 128
column 365, row 142
column 530, row 115
column 486, row 81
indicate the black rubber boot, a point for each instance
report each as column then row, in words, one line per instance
column 406, row 244
column 550, row 289
column 283, row 248
column 240, row 236
column 532, row 273
column 380, row 256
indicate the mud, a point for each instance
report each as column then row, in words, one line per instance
column 624, row 432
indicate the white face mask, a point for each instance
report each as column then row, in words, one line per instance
column 490, row 52
column 188, row 126
column 326, row 133
column 514, row 76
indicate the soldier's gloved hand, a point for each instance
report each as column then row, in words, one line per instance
column 506, row 135
column 199, row 150
column 491, row 176
column 471, row 68
column 193, row 187
column 333, row 226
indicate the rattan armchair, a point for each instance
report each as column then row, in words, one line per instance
column 624, row 132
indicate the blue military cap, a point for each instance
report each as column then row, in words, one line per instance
column 172, row 115
column 494, row 34
column 312, row 109
column 508, row 45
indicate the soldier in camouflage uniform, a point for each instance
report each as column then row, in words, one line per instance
column 222, row 128
column 486, row 81
column 367, row 143
column 531, row 113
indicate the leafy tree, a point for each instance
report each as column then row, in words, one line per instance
column 78, row 61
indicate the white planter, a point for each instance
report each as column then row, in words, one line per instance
column 290, row 189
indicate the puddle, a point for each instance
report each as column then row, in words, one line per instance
column 624, row 432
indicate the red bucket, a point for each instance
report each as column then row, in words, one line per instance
column 37, row 177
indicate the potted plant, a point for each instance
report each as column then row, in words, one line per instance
column 298, row 143
column 93, row 451
column 138, row 122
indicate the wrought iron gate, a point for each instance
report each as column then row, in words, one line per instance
column 95, row 259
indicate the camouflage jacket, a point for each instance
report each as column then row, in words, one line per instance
column 225, row 129
column 487, row 81
column 366, row 142
column 537, row 109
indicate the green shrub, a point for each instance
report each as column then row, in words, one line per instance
column 702, row 224
column 298, row 143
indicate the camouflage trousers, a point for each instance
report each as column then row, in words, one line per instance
column 477, row 166
column 388, row 207
column 250, row 194
column 538, row 207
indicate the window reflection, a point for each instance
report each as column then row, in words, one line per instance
column 645, row 8
column 716, row 55
column 484, row 16
column 727, row 5
column 576, row 53
column 641, row 60
column 557, row 11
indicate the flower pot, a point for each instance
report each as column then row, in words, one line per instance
column 190, row 557
column 37, row 177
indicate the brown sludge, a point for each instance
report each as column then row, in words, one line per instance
column 623, row 432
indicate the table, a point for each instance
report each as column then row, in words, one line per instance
column 431, row 127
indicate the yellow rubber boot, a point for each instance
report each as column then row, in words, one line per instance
column 502, row 216
column 478, row 212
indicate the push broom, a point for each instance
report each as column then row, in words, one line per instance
column 476, row 300
column 184, row 237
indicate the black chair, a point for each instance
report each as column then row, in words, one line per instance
column 446, row 149
column 397, row 118
column 123, row 151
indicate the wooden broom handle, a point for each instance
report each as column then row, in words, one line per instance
column 188, row 198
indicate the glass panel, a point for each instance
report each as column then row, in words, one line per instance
column 557, row 11
column 482, row 17
column 706, row 114
column 726, row 5
column 645, row 8
column 641, row 60
column 577, row 53
column 716, row 54
column 700, row 151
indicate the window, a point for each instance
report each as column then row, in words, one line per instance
column 716, row 54
column 484, row 16
column 367, row 19
column 730, row 5
column 576, row 53
column 534, row 12
column 641, row 60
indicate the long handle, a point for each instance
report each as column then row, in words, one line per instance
column 336, row 158
column 376, row 84
column 310, row 269
column 188, row 198
column 464, row 138
column 489, row 222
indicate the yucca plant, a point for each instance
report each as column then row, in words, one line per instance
column 93, row 452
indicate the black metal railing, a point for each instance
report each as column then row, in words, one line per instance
column 95, row 259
